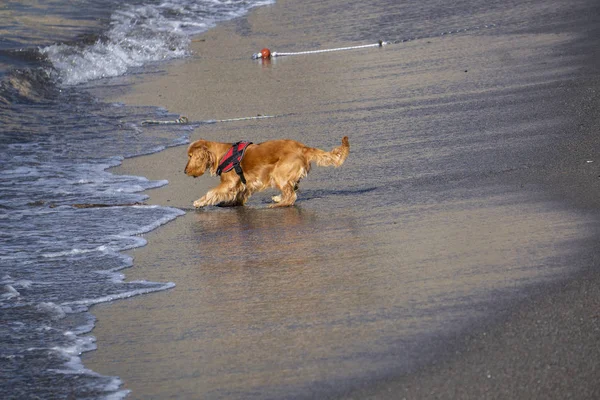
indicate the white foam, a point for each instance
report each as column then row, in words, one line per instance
column 142, row 34
column 105, row 299
column 159, row 222
column 133, row 242
column 24, row 283
column 74, row 366
column 9, row 292
column 53, row 310
column 73, row 252
column 127, row 45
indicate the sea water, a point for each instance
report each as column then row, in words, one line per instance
column 56, row 143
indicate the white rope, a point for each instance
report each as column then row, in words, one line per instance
column 245, row 118
column 184, row 121
column 298, row 53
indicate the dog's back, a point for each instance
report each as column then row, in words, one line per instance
column 275, row 150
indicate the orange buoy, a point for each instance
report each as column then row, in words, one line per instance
column 265, row 53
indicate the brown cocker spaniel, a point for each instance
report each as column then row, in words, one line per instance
column 246, row 168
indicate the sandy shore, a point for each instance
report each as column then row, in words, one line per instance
column 265, row 323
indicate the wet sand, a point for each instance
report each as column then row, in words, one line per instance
column 452, row 256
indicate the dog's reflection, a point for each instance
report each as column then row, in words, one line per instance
column 271, row 265
column 251, row 236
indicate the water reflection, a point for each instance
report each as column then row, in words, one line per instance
column 298, row 296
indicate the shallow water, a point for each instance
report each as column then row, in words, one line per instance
column 56, row 142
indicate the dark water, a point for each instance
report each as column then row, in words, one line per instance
column 56, row 141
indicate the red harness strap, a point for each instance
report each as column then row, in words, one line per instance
column 233, row 158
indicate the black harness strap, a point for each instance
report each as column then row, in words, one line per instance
column 233, row 158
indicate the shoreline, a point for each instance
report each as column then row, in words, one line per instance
column 526, row 350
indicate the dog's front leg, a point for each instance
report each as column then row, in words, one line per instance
column 202, row 202
column 209, row 199
column 222, row 194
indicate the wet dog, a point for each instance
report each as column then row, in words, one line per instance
column 278, row 164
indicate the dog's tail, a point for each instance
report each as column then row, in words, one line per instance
column 335, row 157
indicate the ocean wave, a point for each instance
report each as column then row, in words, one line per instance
column 139, row 35
column 9, row 292
column 29, row 85
column 151, row 287
column 57, row 144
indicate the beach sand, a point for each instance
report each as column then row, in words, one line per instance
column 340, row 296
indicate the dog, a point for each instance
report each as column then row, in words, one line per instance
column 278, row 164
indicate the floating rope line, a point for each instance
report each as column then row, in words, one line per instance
column 266, row 53
column 185, row 121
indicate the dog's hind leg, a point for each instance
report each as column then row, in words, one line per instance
column 286, row 179
column 277, row 198
column 286, row 198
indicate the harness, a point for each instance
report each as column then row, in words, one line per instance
column 233, row 158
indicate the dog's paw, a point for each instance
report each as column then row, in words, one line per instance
column 199, row 203
column 276, row 199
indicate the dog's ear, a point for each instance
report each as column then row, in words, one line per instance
column 198, row 159
column 197, row 145
column 208, row 157
column 211, row 164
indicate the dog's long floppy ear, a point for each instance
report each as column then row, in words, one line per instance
column 200, row 159
column 211, row 163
